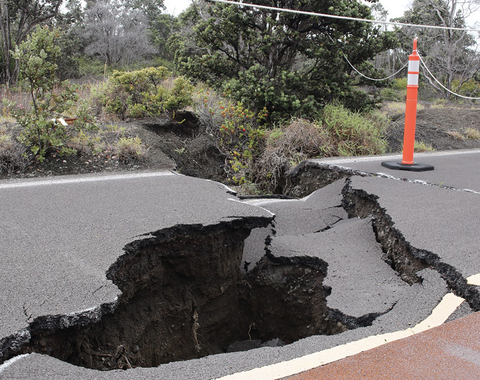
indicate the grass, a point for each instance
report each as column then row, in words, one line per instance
column 339, row 133
column 420, row 146
column 456, row 135
column 472, row 134
column 391, row 108
column 85, row 138
column 12, row 153
column 130, row 149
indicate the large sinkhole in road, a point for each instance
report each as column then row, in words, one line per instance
column 184, row 296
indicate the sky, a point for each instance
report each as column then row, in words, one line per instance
column 395, row 7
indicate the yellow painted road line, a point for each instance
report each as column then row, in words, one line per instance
column 439, row 315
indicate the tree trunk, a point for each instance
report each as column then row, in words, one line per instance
column 6, row 42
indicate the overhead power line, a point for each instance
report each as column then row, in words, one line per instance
column 342, row 17
column 441, row 85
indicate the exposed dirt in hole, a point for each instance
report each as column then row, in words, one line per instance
column 178, row 302
column 183, row 297
column 284, row 298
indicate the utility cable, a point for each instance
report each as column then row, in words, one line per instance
column 441, row 85
column 374, row 79
column 342, row 17
column 242, row 4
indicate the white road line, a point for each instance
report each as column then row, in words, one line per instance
column 439, row 315
column 336, row 160
column 83, row 179
column 474, row 280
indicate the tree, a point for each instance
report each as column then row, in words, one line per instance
column 70, row 22
column 153, row 9
column 18, row 18
column 449, row 54
column 289, row 63
column 161, row 29
column 37, row 57
column 116, row 34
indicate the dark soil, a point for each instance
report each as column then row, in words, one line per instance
column 181, row 144
column 440, row 128
column 177, row 143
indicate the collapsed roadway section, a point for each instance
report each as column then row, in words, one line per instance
column 217, row 277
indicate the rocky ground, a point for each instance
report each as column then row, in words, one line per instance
column 441, row 128
column 181, row 144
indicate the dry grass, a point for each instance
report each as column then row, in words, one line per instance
column 130, row 149
column 422, row 147
column 11, row 97
column 391, row 109
column 12, row 153
column 288, row 146
column 472, row 133
column 456, row 135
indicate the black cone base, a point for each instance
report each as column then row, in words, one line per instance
column 415, row 167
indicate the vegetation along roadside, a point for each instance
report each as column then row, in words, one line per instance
column 222, row 92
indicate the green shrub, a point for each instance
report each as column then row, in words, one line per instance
column 469, row 88
column 130, row 149
column 354, row 134
column 241, row 140
column 141, row 93
column 180, row 96
column 392, row 94
column 85, row 143
column 400, row 83
column 237, row 131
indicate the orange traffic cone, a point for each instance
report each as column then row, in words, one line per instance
column 410, row 119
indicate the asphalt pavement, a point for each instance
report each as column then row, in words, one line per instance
column 60, row 236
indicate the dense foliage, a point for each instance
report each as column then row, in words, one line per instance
column 292, row 64
column 141, row 93
column 19, row 18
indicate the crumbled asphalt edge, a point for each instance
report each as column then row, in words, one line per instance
column 18, row 342
column 352, row 323
column 399, row 253
column 335, row 315
column 174, row 233
column 309, row 176
column 12, row 345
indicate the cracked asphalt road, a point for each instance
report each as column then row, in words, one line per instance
column 58, row 240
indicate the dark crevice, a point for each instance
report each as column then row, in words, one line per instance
column 355, row 322
column 330, row 226
column 399, row 254
column 397, row 251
